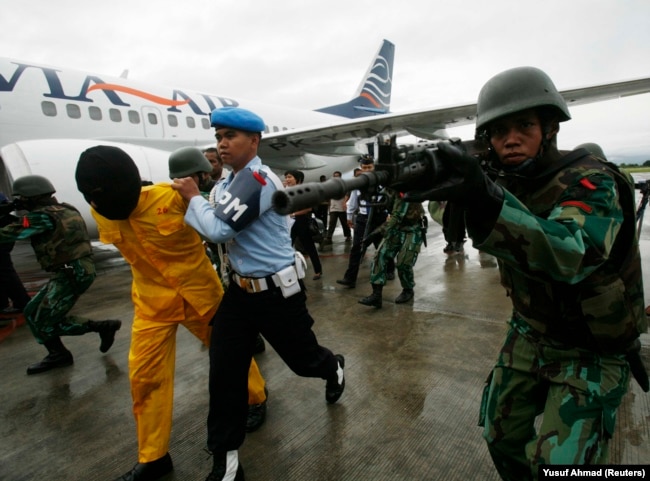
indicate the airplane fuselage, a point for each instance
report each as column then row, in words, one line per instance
column 44, row 102
column 48, row 116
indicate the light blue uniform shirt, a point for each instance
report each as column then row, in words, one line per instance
column 260, row 249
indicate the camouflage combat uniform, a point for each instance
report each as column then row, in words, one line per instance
column 60, row 241
column 402, row 237
column 569, row 260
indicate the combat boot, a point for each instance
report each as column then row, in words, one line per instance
column 405, row 296
column 58, row 356
column 373, row 299
column 106, row 330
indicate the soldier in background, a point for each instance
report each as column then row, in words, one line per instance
column 60, row 240
column 402, row 236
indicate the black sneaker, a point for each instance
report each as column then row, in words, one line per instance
column 346, row 282
column 336, row 384
column 221, row 469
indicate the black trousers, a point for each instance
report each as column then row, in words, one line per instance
column 453, row 223
column 286, row 325
column 300, row 230
column 343, row 218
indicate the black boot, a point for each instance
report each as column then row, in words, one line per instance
column 58, row 356
column 223, row 465
column 106, row 330
column 405, row 296
column 373, row 299
column 149, row 471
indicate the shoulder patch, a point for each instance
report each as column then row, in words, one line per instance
column 239, row 204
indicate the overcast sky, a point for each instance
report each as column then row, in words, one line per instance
column 311, row 54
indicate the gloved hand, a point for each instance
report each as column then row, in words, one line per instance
column 462, row 180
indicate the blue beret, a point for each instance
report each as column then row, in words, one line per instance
column 236, row 118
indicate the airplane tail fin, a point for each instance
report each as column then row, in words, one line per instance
column 373, row 94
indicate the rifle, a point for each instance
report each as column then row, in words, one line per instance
column 404, row 168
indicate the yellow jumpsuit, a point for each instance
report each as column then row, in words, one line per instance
column 173, row 283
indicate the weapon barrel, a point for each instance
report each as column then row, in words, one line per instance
column 301, row 196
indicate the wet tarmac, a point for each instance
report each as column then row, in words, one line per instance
column 414, row 377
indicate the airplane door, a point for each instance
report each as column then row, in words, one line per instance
column 152, row 122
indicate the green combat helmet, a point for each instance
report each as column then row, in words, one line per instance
column 187, row 161
column 518, row 89
column 593, row 149
column 32, row 186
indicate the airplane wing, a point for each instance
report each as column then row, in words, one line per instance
column 340, row 137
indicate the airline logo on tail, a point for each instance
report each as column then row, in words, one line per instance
column 377, row 87
column 373, row 95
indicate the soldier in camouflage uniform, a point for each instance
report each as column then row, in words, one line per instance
column 562, row 227
column 403, row 234
column 60, row 240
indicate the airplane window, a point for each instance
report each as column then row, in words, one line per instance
column 115, row 115
column 172, row 120
column 191, row 123
column 153, row 120
column 74, row 112
column 95, row 113
column 266, row 128
column 276, row 128
column 134, row 117
column 205, row 123
column 48, row 108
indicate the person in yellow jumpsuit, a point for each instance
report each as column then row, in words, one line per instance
column 173, row 283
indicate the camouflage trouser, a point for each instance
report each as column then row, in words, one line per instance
column 405, row 244
column 46, row 312
column 577, row 391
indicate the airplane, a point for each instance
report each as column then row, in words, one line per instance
column 49, row 115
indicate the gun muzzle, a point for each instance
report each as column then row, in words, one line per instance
column 302, row 196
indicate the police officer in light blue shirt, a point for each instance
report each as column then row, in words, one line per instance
column 255, row 249
column 265, row 293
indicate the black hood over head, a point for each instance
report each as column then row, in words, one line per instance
column 109, row 179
